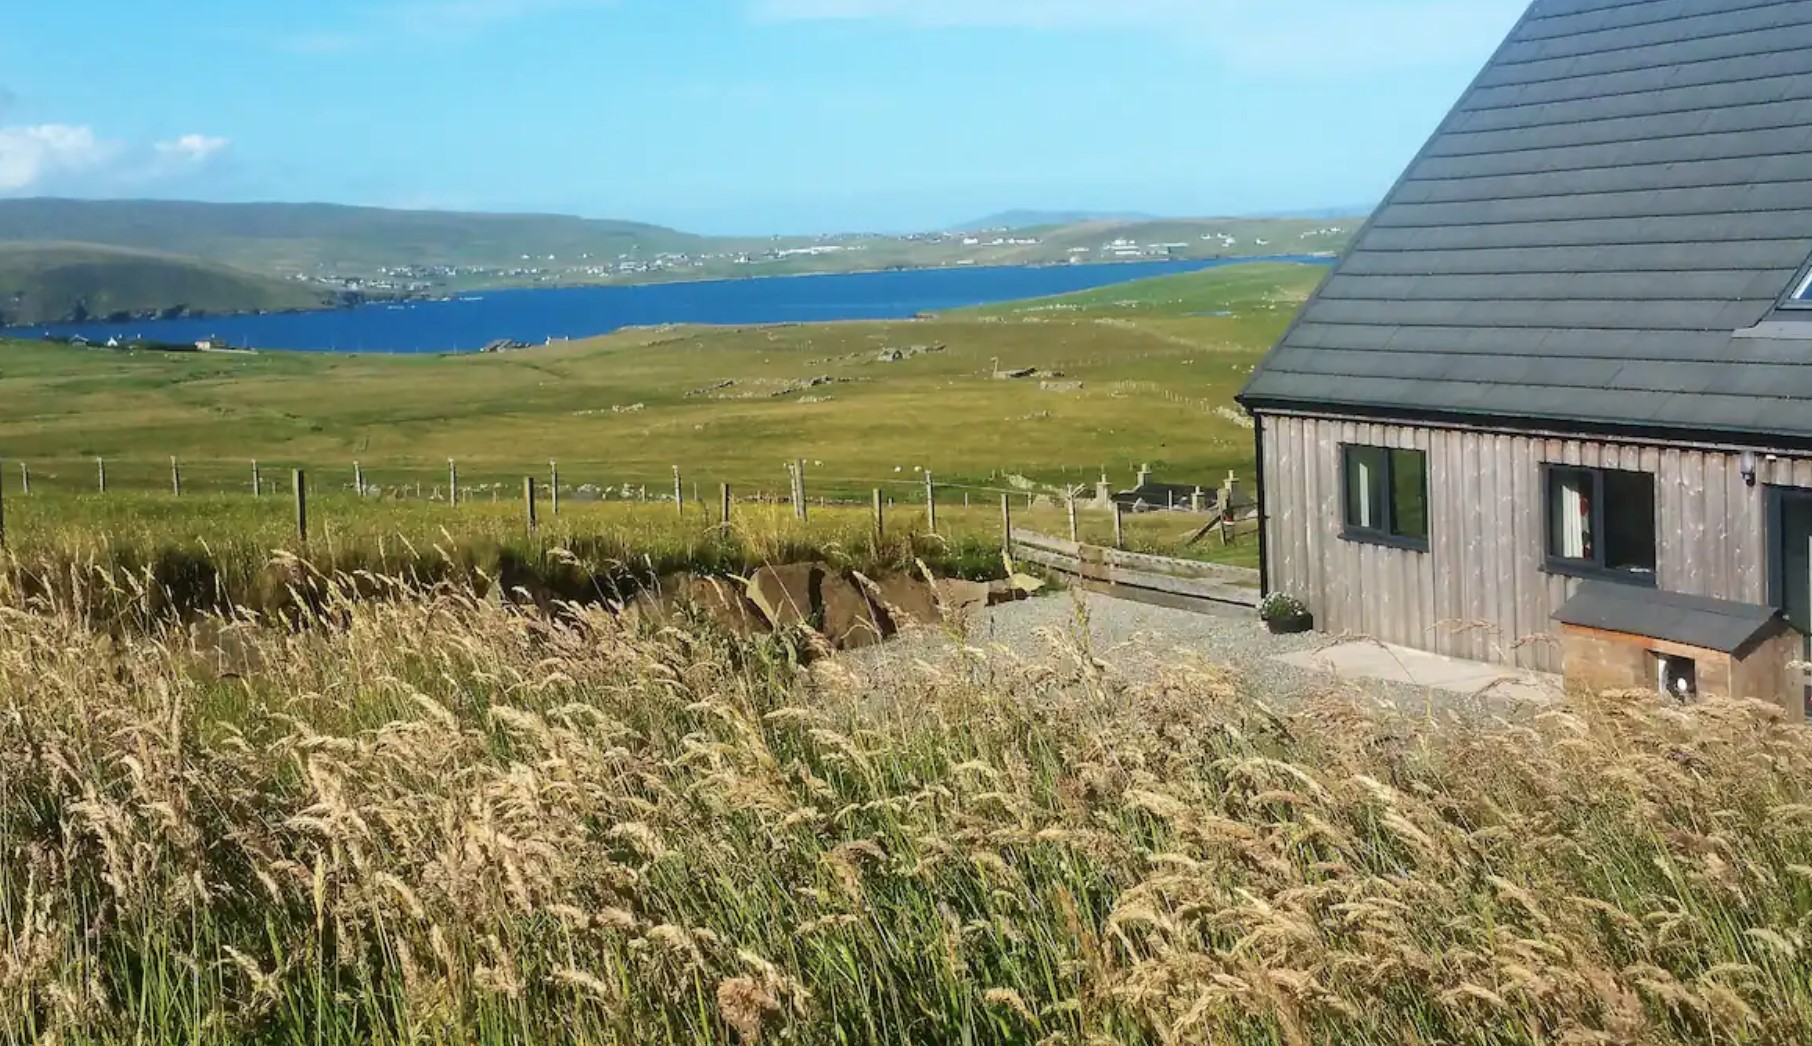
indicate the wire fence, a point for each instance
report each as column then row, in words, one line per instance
column 571, row 480
column 318, row 500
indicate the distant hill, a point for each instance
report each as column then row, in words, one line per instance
column 291, row 238
column 370, row 251
column 1041, row 219
column 78, row 282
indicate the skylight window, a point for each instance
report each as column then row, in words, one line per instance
column 1803, row 294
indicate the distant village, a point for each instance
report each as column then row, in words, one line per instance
column 918, row 250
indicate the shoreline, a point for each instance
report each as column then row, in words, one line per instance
column 95, row 332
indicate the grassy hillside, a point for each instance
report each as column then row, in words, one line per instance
column 1154, row 387
column 493, row 250
column 1187, row 294
column 299, row 237
column 55, row 282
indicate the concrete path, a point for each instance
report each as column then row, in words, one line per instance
column 1372, row 660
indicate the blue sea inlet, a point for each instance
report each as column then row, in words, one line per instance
column 535, row 316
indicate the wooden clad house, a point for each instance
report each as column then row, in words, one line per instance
column 1574, row 344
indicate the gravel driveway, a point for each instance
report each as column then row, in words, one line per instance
column 1139, row 643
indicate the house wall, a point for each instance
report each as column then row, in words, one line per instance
column 1480, row 591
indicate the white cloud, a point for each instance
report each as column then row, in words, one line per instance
column 64, row 157
column 190, row 148
column 30, row 156
column 1287, row 38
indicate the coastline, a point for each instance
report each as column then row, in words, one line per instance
column 440, row 295
column 454, row 331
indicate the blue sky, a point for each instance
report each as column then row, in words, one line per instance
column 736, row 116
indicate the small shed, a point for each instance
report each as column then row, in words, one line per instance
column 1625, row 637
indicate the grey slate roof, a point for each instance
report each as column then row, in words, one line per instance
column 1626, row 186
column 1710, row 624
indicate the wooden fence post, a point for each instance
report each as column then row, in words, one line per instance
column 24, row 479
column 452, row 482
column 175, row 477
column 1075, row 531
column 100, row 465
column 301, row 506
column 799, row 507
column 1119, row 526
column 679, row 493
column 358, row 479
column 930, row 503
column 553, row 486
column 1006, row 524
column 724, row 509
column 880, row 517
column 257, row 480
column 528, row 501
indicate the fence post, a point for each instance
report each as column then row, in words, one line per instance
column 724, row 510
column 553, row 486
column 452, row 482
column 301, row 506
column 679, row 493
column 100, row 465
column 930, row 503
column 799, row 506
column 24, row 479
column 528, row 499
column 175, row 477
column 1075, row 531
column 1006, row 524
column 880, row 517
column 1119, row 526
column 965, row 499
column 358, row 479
column 257, row 480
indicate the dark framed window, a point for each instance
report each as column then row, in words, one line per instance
column 1386, row 496
column 1601, row 523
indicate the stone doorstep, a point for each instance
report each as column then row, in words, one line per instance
column 1394, row 664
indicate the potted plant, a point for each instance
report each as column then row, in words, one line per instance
column 1284, row 614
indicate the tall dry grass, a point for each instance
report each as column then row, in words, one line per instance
column 437, row 820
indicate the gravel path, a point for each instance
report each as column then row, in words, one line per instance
column 1140, row 643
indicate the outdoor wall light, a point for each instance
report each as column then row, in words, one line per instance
column 1749, row 465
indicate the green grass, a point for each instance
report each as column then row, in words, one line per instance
column 504, row 416
column 1252, row 288
column 56, row 282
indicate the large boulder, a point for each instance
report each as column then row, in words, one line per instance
column 959, row 598
column 908, row 600
column 788, row 595
column 817, row 596
column 718, row 600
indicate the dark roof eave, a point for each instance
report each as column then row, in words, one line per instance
column 1757, row 437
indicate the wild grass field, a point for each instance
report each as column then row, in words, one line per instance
column 442, row 821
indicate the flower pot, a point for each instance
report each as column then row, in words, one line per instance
column 1289, row 626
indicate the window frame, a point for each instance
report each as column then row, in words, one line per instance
column 1382, row 534
column 1594, row 569
column 1799, row 294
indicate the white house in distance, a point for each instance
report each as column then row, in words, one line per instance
column 1553, row 408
